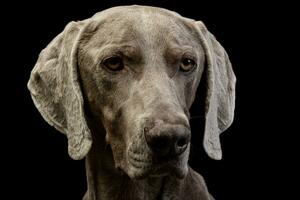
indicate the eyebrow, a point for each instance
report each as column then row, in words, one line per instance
column 174, row 51
column 185, row 48
column 126, row 50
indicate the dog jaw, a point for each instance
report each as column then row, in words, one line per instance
column 144, row 165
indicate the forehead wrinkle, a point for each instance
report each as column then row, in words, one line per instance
column 112, row 34
column 115, row 30
column 145, row 25
column 174, row 51
column 152, row 32
column 126, row 49
column 122, row 34
column 160, row 31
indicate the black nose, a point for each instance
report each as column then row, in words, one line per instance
column 167, row 140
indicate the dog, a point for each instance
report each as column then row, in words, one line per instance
column 120, row 86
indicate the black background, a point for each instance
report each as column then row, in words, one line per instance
column 257, row 148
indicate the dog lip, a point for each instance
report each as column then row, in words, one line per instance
column 145, row 165
column 140, row 169
column 138, row 162
column 136, row 159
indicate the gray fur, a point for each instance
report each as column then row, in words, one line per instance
column 103, row 113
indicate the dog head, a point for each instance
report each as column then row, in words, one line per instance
column 139, row 69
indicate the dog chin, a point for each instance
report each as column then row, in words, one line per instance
column 175, row 171
column 148, row 171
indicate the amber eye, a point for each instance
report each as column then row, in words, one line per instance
column 187, row 64
column 114, row 63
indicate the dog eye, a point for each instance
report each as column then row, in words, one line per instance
column 114, row 63
column 187, row 64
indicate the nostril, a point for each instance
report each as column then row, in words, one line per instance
column 181, row 145
column 181, row 142
column 166, row 140
column 160, row 145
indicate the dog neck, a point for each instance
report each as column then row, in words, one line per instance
column 106, row 182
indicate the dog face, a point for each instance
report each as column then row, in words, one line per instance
column 140, row 71
column 137, row 69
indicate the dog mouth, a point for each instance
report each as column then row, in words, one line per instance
column 139, row 162
column 141, row 166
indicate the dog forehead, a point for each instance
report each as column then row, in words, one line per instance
column 135, row 11
column 142, row 24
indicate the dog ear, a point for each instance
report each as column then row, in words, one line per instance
column 219, row 97
column 55, row 89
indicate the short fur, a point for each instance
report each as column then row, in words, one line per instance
column 104, row 113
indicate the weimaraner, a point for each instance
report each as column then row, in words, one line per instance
column 120, row 86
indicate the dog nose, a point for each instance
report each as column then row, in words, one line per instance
column 168, row 140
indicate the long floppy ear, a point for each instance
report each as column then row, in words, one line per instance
column 219, row 94
column 55, row 89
